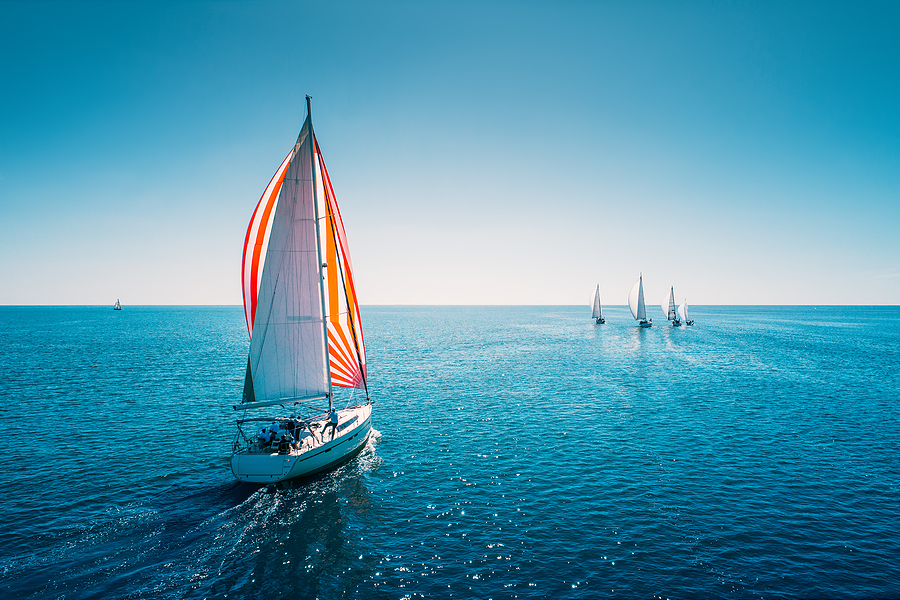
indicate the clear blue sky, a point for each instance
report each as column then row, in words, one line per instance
column 481, row 152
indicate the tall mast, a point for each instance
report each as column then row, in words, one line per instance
column 322, row 265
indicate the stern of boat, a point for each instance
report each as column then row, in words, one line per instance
column 253, row 465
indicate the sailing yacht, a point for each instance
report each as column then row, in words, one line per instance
column 683, row 313
column 596, row 312
column 118, row 306
column 303, row 318
column 636, row 303
column 668, row 308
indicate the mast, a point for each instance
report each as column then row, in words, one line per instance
column 321, row 265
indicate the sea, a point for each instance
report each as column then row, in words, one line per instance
column 518, row 452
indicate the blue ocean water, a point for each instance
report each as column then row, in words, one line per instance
column 522, row 452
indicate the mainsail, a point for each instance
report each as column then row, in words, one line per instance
column 668, row 305
column 299, row 295
column 636, row 300
column 595, row 304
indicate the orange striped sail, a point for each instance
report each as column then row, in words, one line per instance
column 257, row 240
column 346, row 348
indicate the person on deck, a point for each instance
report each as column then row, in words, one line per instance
column 332, row 422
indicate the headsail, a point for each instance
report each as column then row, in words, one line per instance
column 633, row 297
column 595, row 304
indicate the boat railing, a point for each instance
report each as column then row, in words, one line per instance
column 287, row 436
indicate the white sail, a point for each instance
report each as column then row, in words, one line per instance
column 632, row 298
column 595, row 304
column 287, row 348
column 668, row 305
column 641, row 309
column 683, row 311
column 636, row 300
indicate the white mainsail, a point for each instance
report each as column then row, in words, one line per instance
column 636, row 300
column 668, row 305
column 595, row 304
column 287, row 347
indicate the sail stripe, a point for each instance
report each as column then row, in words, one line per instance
column 345, row 340
column 257, row 240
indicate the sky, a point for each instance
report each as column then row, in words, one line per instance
column 481, row 152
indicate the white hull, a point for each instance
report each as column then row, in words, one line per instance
column 256, row 467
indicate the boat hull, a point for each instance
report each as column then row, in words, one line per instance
column 272, row 468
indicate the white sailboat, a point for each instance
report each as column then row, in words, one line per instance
column 303, row 317
column 596, row 311
column 118, row 306
column 668, row 308
column 636, row 303
column 683, row 313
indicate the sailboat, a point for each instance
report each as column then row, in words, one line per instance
column 683, row 313
column 636, row 303
column 668, row 308
column 596, row 312
column 303, row 318
column 118, row 306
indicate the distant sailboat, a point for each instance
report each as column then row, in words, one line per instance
column 118, row 306
column 597, row 313
column 668, row 308
column 636, row 303
column 303, row 317
column 683, row 313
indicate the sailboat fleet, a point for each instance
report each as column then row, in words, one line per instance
column 306, row 339
column 678, row 315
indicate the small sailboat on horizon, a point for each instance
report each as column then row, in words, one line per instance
column 683, row 313
column 636, row 303
column 668, row 308
column 596, row 311
column 118, row 305
column 303, row 317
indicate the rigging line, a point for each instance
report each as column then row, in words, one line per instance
column 330, row 216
